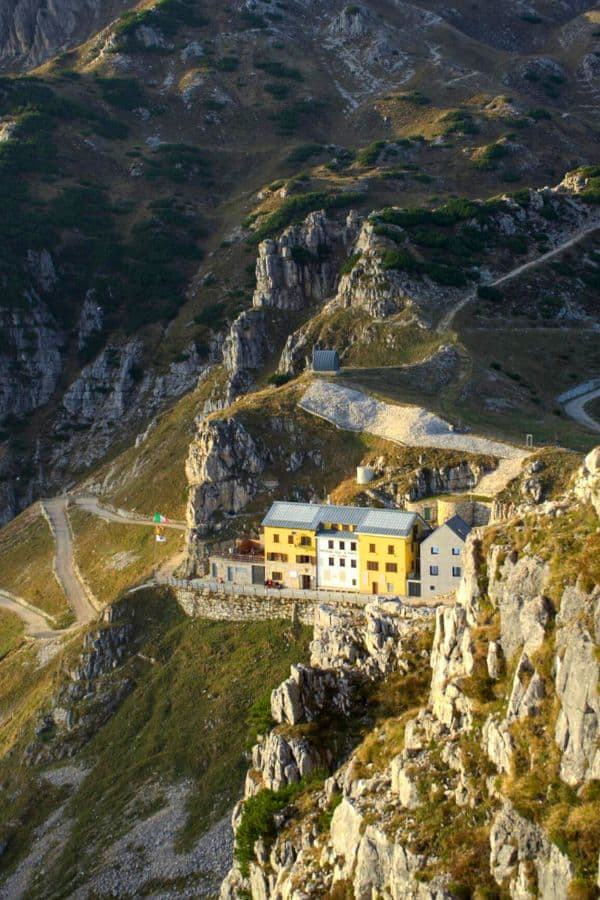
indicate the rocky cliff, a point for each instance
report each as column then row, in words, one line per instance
column 31, row 32
column 385, row 277
column 489, row 787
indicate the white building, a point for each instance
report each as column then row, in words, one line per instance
column 337, row 560
column 441, row 558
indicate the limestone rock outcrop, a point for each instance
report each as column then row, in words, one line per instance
column 222, row 467
column 300, row 267
column 504, row 647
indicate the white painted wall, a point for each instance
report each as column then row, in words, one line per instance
column 344, row 571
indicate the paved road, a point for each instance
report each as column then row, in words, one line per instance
column 90, row 503
column 447, row 320
column 575, row 409
column 56, row 510
column 35, row 623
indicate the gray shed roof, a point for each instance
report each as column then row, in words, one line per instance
column 326, row 360
column 459, row 527
column 392, row 522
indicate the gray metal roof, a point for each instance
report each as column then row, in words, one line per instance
column 292, row 515
column 326, row 360
column 391, row 522
column 341, row 515
column 458, row 526
column 387, row 522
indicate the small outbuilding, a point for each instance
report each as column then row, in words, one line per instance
column 326, row 361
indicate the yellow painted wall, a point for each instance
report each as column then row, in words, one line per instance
column 283, row 545
column 402, row 556
column 292, row 550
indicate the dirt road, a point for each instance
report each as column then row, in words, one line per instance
column 56, row 510
column 575, row 409
column 90, row 503
column 35, row 624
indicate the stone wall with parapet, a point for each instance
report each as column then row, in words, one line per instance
column 222, row 606
column 240, row 608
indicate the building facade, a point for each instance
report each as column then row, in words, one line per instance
column 371, row 551
column 337, row 560
column 441, row 557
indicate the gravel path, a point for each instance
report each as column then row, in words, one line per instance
column 90, row 503
column 36, row 625
column 449, row 317
column 575, row 409
column 56, row 511
column 409, row 425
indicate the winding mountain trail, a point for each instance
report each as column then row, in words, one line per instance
column 36, row 624
column 575, row 408
column 90, row 503
column 447, row 320
column 66, row 571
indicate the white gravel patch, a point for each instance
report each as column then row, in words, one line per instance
column 409, row 425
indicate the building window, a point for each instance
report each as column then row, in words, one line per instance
column 303, row 558
column 354, row 582
column 352, row 563
column 427, row 513
column 435, row 551
column 215, row 570
column 371, row 548
column 276, row 576
column 304, row 541
column 456, row 571
column 456, row 551
column 343, row 563
column 331, row 561
column 391, row 567
column 390, row 588
column 275, row 538
column 277, row 557
column 353, row 546
column 330, row 545
column 372, row 566
column 342, row 545
column 390, row 549
column 290, row 538
column 432, row 587
column 434, row 570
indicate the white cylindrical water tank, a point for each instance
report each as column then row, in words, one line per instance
column 364, row 474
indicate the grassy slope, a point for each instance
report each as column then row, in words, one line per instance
column 186, row 719
column 11, row 632
column 113, row 557
column 26, row 687
column 26, row 560
column 593, row 408
column 152, row 476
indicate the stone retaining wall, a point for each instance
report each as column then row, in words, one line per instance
column 240, row 608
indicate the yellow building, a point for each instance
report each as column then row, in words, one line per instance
column 347, row 548
column 388, row 550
